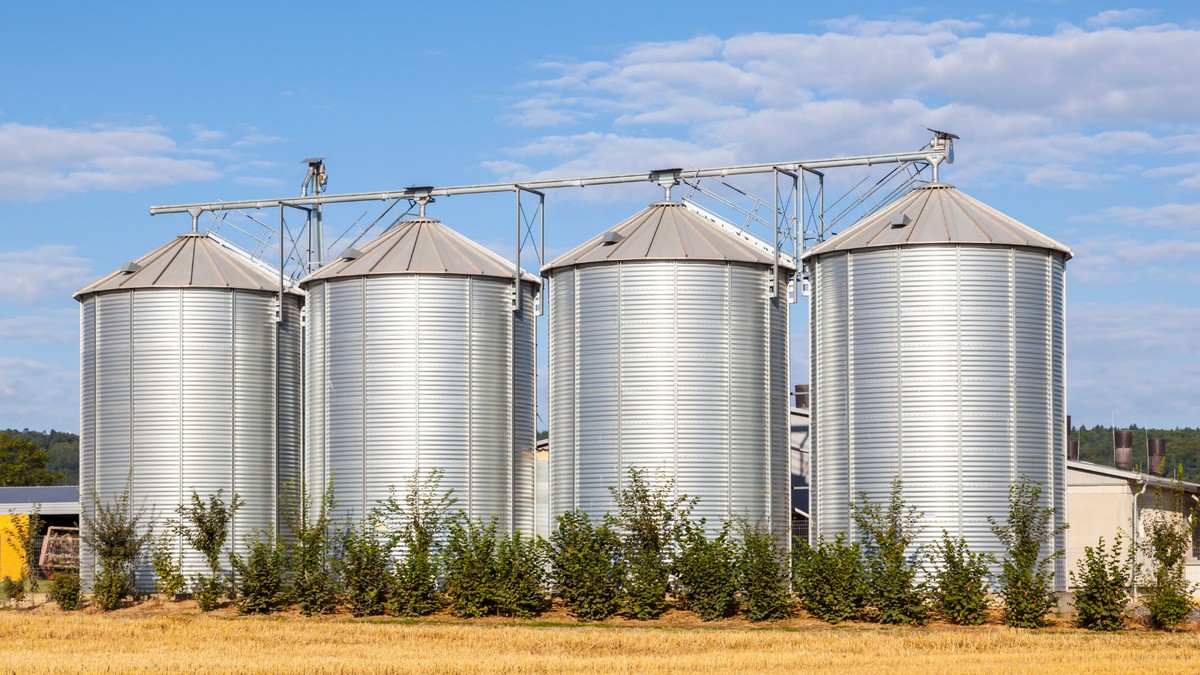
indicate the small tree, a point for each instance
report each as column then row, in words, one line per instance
column 64, row 589
column 310, row 555
column 1027, row 575
column 1168, row 595
column 762, row 574
column 1101, row 598
column 469, row 562
column 889, row 532
column 367, row 567
column 960, row 581
column 260, row 587
column 708, row 573
column 21, row 536
column 168, row 570
column 116, row 537
column 586, row 562
column 650, row 519
column 830, row 579
column 421, row 517
column 204, row 525
column 521, row 578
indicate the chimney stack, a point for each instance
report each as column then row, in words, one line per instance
column 802, row 396
column 1156, row 455
column 1123, row 440
column 1073, row 451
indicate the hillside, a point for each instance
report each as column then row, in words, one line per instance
column 1183, row 446
column 62, row 446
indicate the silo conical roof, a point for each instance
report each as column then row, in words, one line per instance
column 669, row 231
column 191, row 260
column 937, row 214
column 420, row 246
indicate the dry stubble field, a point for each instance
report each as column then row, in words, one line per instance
column 163, row 638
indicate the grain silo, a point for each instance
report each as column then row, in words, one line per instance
column 418, row 357
column 668, row 353
column 937, row 356
column 190, row 380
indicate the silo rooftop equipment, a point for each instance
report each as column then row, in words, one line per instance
column 191, row 260
column 669, row 231
column 419, row 246
column 936, row 214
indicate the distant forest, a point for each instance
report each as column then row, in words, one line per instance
column 1095, row 445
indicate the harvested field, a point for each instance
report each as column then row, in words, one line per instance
column 151, row 638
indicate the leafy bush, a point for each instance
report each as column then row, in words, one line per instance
column 14, row 589
column 207, row 591
column 1027, row 576
column 586, row 562
column 422, row 521
column 708, row 573
column 115, row 534
column 830, row 579
column 259, row 577
column 310, row 556
column 1101, row 600
column 960, row 581
column 650, row 518
column 762, row 573
column 889, row 532
column 521, row 564
column 64, row 589
column 205, row 527
column 168, row 569
column 1167, row 594
column 366, row 568
column 469, row 562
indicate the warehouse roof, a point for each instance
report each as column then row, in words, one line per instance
column 419, row 246
column 191, row 260
column 670, row 231
column 936, row 214
column 50, row 499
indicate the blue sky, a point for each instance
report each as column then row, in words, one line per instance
column 1079, row 119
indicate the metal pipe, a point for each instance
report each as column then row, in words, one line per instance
column 926, row 155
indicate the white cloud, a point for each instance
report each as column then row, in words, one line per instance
column 45, row 161
column 32, row 394
column 42, row 272
column 1174, row 216
column 1115, row 17
column 60, row 326
column 1110, row 260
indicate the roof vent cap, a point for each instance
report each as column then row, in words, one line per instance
column 350, row 253
column 612, row 237
column 900, row 220
column 130, row 268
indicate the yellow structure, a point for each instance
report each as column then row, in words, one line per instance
column 10, row 555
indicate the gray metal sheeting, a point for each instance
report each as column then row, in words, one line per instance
column 420, row 246
column 192, row 260
column 669, row 231
column 417, row 372
column 943, row 365
column 183, row 389
column 671, row 366
column 939, row 214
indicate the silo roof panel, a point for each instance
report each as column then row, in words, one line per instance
column 669, row 231
column 938, row 214
column 191, row 260
column 420, row 246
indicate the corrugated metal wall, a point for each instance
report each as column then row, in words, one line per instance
column 679, row 366
column 179, row 394
column 416, row 372
column 942, row 364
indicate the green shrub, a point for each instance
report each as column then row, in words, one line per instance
column 204, row 525
column 14, row 589
column 310, row 556
column 650, row 518
column 762, row 573
column 1167, row 593
column 421, row 517
column 259, row 577
column 1027, row 576
column 168, row 569
column 708, row 573
column 469, row 563
column 1101, row 601
column 959, row 581
column 207, row 591
column 888, row 534
column 830, row 579
column 521, row 564
column 586, row 563
column 115, row 535
column 366, row 568
column 64, row 589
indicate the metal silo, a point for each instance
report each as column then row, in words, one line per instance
column 668, row 353
column 419, row 357
column 190, row 380
column 937, row 356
